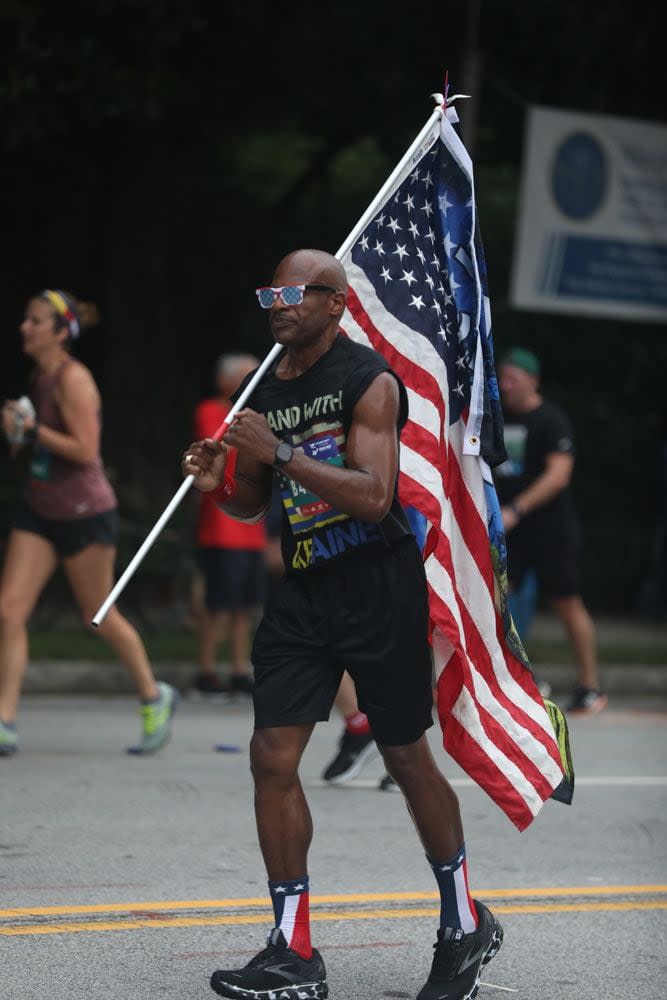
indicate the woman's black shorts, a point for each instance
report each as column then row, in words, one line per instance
column 367, row 615
column 69, row 537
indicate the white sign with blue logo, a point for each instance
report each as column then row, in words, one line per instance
column 592, row 233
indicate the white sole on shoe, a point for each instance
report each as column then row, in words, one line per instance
column 368, row 754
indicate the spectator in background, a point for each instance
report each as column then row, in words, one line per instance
column 68, row 513
column 356, row 746
column 230, row 555
column 540, row 521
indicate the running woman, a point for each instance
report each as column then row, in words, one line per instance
column 68, row 514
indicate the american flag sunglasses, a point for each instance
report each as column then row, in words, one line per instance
column 290, row 295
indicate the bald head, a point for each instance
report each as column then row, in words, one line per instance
column 314, row 267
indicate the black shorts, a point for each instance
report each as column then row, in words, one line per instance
column 233, row 578
column 70, row 536
column 554, row 559
column 367, row 615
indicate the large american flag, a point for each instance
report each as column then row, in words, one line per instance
column 418, row 295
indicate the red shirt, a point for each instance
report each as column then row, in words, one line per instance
column 214, row 528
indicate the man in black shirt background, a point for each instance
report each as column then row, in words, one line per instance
column 539, row 517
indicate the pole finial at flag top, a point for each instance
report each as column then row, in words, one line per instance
column 446, row 104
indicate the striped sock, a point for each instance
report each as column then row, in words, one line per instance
column 291, row 908
column 456, row 906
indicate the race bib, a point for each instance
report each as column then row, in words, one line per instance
column 305, row 510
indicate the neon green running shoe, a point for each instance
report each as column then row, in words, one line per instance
column 156, row 720
column 8, row 740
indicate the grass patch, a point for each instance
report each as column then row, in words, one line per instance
column 553, row 651
column 84, row 645
column 79, row 644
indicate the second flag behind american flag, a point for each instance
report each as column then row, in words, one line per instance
column 418, row 295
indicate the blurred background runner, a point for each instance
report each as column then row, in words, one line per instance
column 356, row 746
column 68, row 514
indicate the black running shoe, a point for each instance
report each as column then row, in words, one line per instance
column 388, row 784
column 355, row 750
column 459, row 959
column 587, row 701
column 241, row 684
column 276, row 972
column 207, row 685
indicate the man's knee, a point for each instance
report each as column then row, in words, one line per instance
column 407, row 760
column 274, row 754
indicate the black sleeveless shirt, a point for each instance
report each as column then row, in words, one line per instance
column 313, row 412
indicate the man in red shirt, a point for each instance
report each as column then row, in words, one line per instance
column 230, row 555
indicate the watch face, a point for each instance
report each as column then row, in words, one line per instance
column 283, row 454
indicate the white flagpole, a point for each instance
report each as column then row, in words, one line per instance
column 273, row 353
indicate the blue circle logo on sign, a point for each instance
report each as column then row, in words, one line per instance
column 579, row 176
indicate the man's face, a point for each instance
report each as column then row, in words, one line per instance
column 516, row 386
column 304, row 323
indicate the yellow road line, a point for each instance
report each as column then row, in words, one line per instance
column 367, row 897
column 260, row 918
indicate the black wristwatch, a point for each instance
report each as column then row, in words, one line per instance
column 283, row 453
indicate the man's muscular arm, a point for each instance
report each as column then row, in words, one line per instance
column 252, row 493
column 364, row 488
column 206, row 460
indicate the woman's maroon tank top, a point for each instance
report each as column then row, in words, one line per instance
column 57, row 488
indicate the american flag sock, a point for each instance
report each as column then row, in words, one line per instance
column 456, row 906
column 357, row 722
column 291, row 909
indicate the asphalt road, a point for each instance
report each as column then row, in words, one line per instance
column 132, row 879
